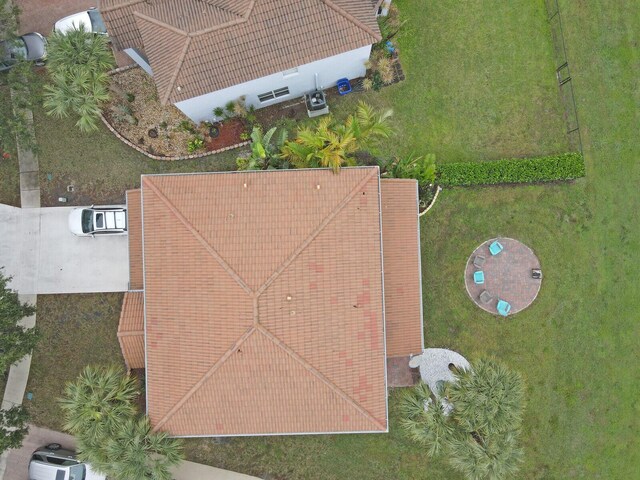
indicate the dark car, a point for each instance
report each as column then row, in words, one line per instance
column 31, row 46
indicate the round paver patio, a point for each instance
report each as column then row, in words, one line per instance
column 507, row 276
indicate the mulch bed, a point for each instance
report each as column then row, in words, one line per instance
column 135, row 112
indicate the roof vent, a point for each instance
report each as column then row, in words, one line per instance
column 318, row 186
column 289, row 297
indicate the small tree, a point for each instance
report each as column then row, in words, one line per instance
column 479, row 435
column 13, row 427
column 78, row 62
column 16, row 341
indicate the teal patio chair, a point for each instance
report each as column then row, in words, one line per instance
column 495, row 248
column 478, row 277
column 503, row 308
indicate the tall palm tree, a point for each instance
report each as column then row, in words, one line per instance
column 479, row 434
column 78, row 62
column 97, row 402
column 136, row 452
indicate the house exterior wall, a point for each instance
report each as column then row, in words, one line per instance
column 349, row 64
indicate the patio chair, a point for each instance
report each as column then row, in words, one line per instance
column 478, row 277
column 485, row 297
column 503, row 308
column 479, row 261
column 495, row 248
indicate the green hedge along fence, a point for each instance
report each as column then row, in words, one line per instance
column 566, row 166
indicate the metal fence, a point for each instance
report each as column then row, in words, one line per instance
column 563, row 73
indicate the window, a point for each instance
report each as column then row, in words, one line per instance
column 263, row 97
column 280, row 92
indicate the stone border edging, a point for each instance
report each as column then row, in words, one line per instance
column 433, row 201
column 128, row 142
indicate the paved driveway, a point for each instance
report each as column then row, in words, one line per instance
column 39, row 15
column 43, row 256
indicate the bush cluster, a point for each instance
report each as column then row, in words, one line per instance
column 566, row 166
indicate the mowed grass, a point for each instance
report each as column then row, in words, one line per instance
column 9, row 168
column 77, row 330
column 480, row 82
column 98, row 165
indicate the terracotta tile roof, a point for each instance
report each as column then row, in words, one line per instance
column 402, row 272
column 131, row 329
column 134, row 225
column 264, row 302
column 202, row 46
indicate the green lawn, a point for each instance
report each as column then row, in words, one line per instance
column 98, row 165
column 77, row 330
column 480, row 82
column 9, row 169
column 480, row 85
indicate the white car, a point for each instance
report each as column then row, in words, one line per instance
column 56, row 463
column 90, row 19
column 92, row 221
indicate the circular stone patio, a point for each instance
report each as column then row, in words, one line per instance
column 507, row 276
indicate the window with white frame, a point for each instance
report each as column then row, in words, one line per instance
column 277, row 93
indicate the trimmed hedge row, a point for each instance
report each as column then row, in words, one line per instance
column 566, row 166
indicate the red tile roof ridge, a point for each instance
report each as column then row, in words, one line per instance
column 232, row 273
column 298, row 358
column 351, row 18
column 204, row 378
column 345, row 201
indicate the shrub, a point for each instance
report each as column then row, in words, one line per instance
column 566, row 166
column 196, row 143
column 218, row 112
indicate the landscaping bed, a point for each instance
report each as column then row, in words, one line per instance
column 136, row 113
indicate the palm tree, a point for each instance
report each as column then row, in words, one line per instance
column 368, row 126
column 78, row 62
column 329, row 145
column 479, row 435
column 98, row 402
column 136, row 452
column 333, row 144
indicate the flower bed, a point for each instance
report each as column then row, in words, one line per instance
column 136, row 114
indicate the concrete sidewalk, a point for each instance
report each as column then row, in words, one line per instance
column 18, row 460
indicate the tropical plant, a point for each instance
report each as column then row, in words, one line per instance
column 422, row 168
column 137, row 452
column 218, row 112
column 13, row 427
column 478, row 433
column 333, row 144
column 95, row 404
column 16, row 341
column 264, row 153
column 78, row 62
column 9, row 19
column 111, row 435
column 195, row 144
